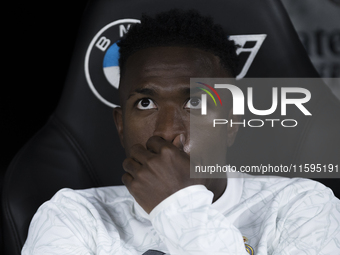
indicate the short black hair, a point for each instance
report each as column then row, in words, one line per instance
column 179, row 28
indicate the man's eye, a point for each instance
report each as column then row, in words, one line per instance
column 145, row 104
column 193, row 103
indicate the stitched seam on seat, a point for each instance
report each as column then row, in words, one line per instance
column 9, row 173
column 6, row 209
column 77, row 148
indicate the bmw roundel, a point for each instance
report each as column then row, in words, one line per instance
column 111, row 66
column 101, row 61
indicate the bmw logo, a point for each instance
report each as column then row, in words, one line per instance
column 101, row 61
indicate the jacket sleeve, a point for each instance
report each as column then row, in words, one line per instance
column 187, row 224
column 311, row 224
column 67, row 225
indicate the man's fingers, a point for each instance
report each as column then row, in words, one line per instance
column 155, row 144
column 127, row 179
column 131, row 166
column 139, row 153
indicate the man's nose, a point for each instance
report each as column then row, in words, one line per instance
column 170, row 124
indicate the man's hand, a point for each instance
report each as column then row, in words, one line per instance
column 157, row 171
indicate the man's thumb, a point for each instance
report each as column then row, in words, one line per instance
column 179, row 141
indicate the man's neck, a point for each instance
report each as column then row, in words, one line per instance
column 218, row 186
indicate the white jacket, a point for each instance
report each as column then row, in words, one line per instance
column 267, row 215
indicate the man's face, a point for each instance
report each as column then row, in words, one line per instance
column 155, row 95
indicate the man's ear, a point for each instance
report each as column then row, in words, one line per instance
column 232, row 130
column 118, row 118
